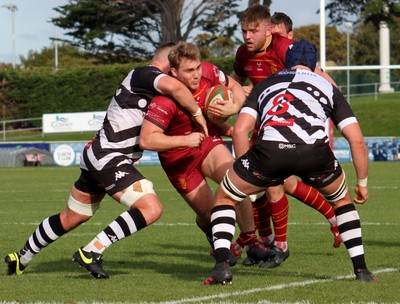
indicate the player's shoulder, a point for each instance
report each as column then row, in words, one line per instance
column 212, row 73
column 241, row 51
column 163, row 104
column 162, row 99
column 281, row 43
column 206, row 65
column 146, row 71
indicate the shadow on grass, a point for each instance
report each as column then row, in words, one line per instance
column 184, row 262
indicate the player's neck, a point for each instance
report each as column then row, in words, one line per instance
column 158, row 64
column 266, row 45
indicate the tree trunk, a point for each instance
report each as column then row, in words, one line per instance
column 170, row 19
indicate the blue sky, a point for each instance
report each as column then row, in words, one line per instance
column 32, row 29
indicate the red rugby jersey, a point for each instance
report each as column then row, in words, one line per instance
column 257, row 66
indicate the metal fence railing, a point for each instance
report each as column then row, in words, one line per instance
column 367, row 89
column 17, row 126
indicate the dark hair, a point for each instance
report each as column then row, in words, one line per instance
column 301, row 52
column 279, row 17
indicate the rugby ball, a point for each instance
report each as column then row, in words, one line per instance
column 214, row 95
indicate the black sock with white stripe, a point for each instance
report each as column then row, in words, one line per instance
column 349, row 226
column 223, row 220
column 48, row 231
column 124, row 225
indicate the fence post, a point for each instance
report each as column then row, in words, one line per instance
column 4, row 130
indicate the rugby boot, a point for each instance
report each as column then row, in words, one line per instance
column 256, row 253
column 337, row 240
column 364, row 275
column 92, row 262
column 279, row 256
column 221, row 274
column 14, row 265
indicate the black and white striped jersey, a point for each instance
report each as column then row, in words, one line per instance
column 118, row 139
column 293, row 105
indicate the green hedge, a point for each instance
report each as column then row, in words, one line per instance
column 35, row 92
column 31, row 93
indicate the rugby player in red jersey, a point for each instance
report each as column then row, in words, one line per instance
column 187, row 156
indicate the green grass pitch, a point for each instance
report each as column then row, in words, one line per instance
column 167, row 262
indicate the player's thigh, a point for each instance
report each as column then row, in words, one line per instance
column 243, row 184
column 337, row 192
column 217, row 162
column 201, row 200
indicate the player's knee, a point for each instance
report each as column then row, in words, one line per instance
column 231, row 190
column 151, row 209
column 290, row 184
column 81, row 208
column 255, row 197
column 136, row 191
column 156, row 209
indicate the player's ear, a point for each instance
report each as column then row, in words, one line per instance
column 269, row 30
column 174, row 72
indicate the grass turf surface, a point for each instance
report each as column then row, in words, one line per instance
column 168, row 261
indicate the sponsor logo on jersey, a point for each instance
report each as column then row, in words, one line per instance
column 221, row 77
column 286, row 122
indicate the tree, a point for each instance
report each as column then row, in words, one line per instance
column 68, row 56
column 122, row 30
column 335, row 41
column 373, row 11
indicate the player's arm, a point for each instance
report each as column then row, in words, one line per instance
column 359, row 153
column 224, row 129
column 242, row 80
column 244, row 125
column 226, row 108
column 170, row 86
column 153, row 138
column 239, row 95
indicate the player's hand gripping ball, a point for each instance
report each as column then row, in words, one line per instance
column 214, row 95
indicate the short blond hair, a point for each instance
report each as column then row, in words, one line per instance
column 183, row 50
column 255, row 14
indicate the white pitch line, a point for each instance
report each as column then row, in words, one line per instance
column 269, row 288
column 193, row 224
column 236, row 293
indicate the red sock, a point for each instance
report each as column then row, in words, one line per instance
column 279, row 214
column 262, row 217
column 246, row 238
column 311, row 197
